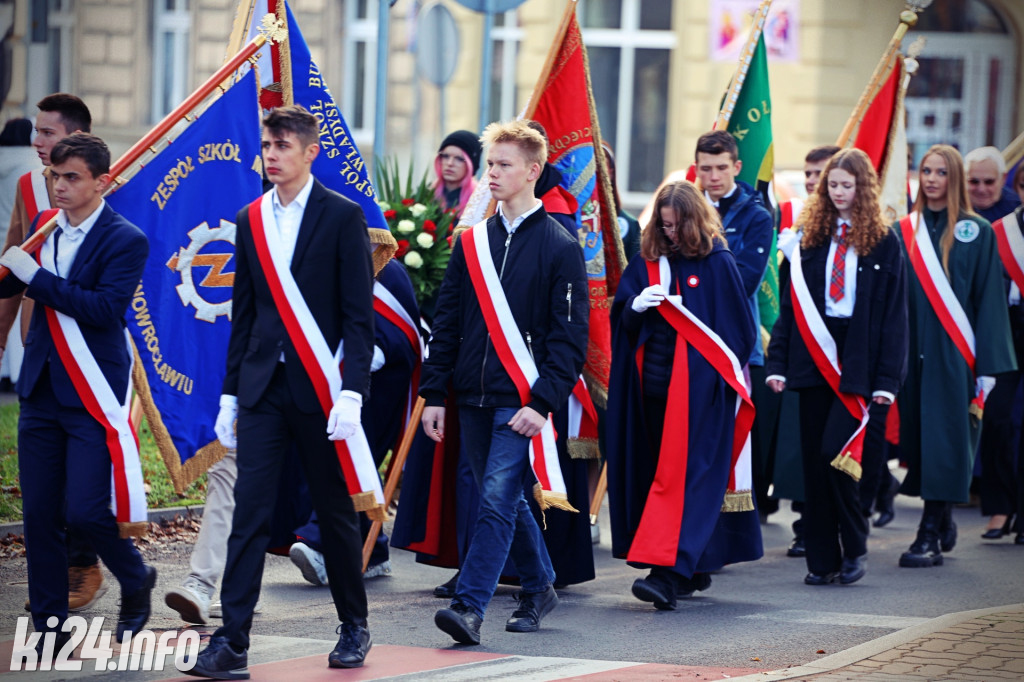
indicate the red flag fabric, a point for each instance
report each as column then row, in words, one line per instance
column 873, row 136
column 564, row 104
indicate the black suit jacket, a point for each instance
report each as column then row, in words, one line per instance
column 875, row 355
column 96, row 292
column 333, row 269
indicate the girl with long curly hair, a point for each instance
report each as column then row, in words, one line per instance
column 955, row 289
column 841, row 339
column 671, row 412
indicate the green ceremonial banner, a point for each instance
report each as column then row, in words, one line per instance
column 751, row 125
column 751, row 122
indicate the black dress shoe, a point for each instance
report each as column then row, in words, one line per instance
column 853, row 569
column 994, row 533
column 797, row 548
column 135, row 607
column 1019, row 540
column 221, row 661
column 885, row 503
column 820, row 578
column 460, row 622
column 532, row 607
column 657, row 589
column 352, row 647
column 447, row 590
column 59, row 641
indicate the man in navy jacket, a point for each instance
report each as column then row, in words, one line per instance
column 62, row 449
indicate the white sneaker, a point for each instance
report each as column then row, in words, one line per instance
column 378, row 570
column 310, row 562
column 191, row 600
column 217, row 612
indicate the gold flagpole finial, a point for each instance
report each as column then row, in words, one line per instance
column 273, row 29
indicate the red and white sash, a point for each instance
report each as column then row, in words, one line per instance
column 937, row 289
column 33, row 193
column 387, row 306
column 657, row 536
column 516, row 359
column 321, row 364
column 936, row 286
column 789, row 211
column 582, row 442
column 1011, row 247
column 822, row 348
column 128, row 493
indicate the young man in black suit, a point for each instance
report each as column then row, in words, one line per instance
column 76, row 343
column 303, row 281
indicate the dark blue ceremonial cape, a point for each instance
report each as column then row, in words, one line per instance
column 709, row 538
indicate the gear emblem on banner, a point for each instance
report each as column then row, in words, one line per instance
column 188, row 257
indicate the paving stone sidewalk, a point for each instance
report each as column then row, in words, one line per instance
column 973, row 645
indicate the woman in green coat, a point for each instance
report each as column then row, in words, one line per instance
column 941, row 403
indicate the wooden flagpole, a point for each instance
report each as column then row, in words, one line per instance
column 722, row 122
column 908, row 18
column 153, row 137
column 599, row 493
column 397, row 464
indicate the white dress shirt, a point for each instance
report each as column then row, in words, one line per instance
column 844, row 306
column 514, row 225
column 71, row 238
column 724, row 196
column 289, row 218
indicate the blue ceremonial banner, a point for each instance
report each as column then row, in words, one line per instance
column 339, row 166
column 185, row 200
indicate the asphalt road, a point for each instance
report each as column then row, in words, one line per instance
column 755, row 615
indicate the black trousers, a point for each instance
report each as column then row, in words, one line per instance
column 265, row 433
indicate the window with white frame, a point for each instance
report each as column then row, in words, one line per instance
column 629, row 45
column 505, row 38
column 171, row 27
column 360, row 67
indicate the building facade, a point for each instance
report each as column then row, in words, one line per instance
column 656, row 73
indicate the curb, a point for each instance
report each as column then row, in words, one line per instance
column 874, row 647
column 154, row 516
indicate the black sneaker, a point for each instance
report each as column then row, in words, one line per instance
column 220, row 661
column 352, row 647
column 532, row 608
column 461, row 622
column 657, row 589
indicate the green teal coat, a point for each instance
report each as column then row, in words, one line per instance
column 938, row 438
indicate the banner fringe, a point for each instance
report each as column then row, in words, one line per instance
column 132, row 529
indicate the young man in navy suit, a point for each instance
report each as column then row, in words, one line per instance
column 303, row 283
column 91, row 265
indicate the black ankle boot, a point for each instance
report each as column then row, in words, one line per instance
column 925, row 551
column 947, row 529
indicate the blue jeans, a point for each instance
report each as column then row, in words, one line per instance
column 505, row 527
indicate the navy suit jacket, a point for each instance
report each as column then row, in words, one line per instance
column 333, row 269
column 103, row 277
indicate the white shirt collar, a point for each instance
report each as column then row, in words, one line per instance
column 84, row 226
column 724, row 196
column 514, row 225
column 300, row 199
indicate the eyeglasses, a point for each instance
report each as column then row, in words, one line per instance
column 988, row 182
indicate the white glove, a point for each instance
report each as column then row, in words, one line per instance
column 985, row 384
column 344, row 418
column 378, row 359
column 225, row 424
column 650, row 297
column 21, row 265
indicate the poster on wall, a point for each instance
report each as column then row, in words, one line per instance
column 729, row 23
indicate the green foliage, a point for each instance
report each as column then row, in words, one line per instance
column 154, row 473
column 420, row 224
